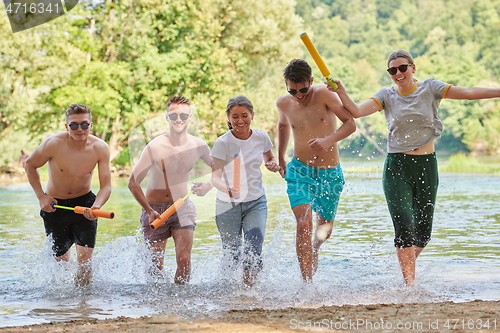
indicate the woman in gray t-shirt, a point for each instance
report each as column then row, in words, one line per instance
column 410, row 174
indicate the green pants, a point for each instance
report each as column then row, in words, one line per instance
column 410, row 187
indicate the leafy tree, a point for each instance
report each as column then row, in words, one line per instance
column 454, row 42
column 126, row 58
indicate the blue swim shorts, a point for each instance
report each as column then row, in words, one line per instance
column 320, row 188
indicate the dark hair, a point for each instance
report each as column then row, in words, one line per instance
column 78, row 109
column 177, row 100
column 297, row 71
column 400, row 54
column 238, row 101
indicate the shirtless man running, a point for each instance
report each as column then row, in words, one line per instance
column 168, row 159
column 314, row 176
column 72, row 157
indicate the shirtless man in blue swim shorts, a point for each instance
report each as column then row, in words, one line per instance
column 72, row 157
column 168, row 159
column 314, row 175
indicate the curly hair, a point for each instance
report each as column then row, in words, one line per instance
column 78, row 109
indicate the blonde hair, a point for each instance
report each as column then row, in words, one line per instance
column 178, row 100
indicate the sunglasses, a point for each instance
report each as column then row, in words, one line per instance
column 293, row 92
column 173, row 116
column 74, row 126
column 402, row 69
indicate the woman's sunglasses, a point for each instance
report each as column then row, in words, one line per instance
column 302, row 91
column 173, row 116
column 402, row 69
column 74, row 126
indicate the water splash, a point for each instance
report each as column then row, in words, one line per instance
column 357, row 265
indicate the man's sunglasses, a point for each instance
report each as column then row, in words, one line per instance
column 402, row 69
column 293, row 92
column 74, row 126
column 173, row 116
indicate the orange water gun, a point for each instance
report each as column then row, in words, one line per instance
column 167, row 213
column 237, row 172
column 80, row 210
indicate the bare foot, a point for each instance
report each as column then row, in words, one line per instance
column 181, row 279
column 249, row 278
column 84, row 274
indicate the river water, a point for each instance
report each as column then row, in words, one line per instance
column 357, row 264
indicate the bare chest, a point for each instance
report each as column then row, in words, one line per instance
column 74, row 163
column 177, row 161
column 313, row 118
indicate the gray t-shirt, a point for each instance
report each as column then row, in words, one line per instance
column 412, row 116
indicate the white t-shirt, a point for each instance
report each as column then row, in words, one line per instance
column 251, row 153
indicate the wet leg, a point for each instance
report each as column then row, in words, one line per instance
column 323, row 232
column 84, row 256
column 183, row 239
column 407, row 257
column 304, row 248
column 158, row 254
column 65, row 257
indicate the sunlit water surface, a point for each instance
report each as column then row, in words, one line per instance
column 357, row 264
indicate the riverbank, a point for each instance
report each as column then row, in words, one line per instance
column 458, row 163
column 11, row 175
column 476, row 316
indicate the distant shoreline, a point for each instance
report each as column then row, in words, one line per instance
column 12, row 175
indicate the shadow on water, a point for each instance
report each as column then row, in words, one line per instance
column 357, row 264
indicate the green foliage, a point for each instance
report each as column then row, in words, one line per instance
column 126, row 58
column 455, row 42
column 466, row 163
column 123, row 159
